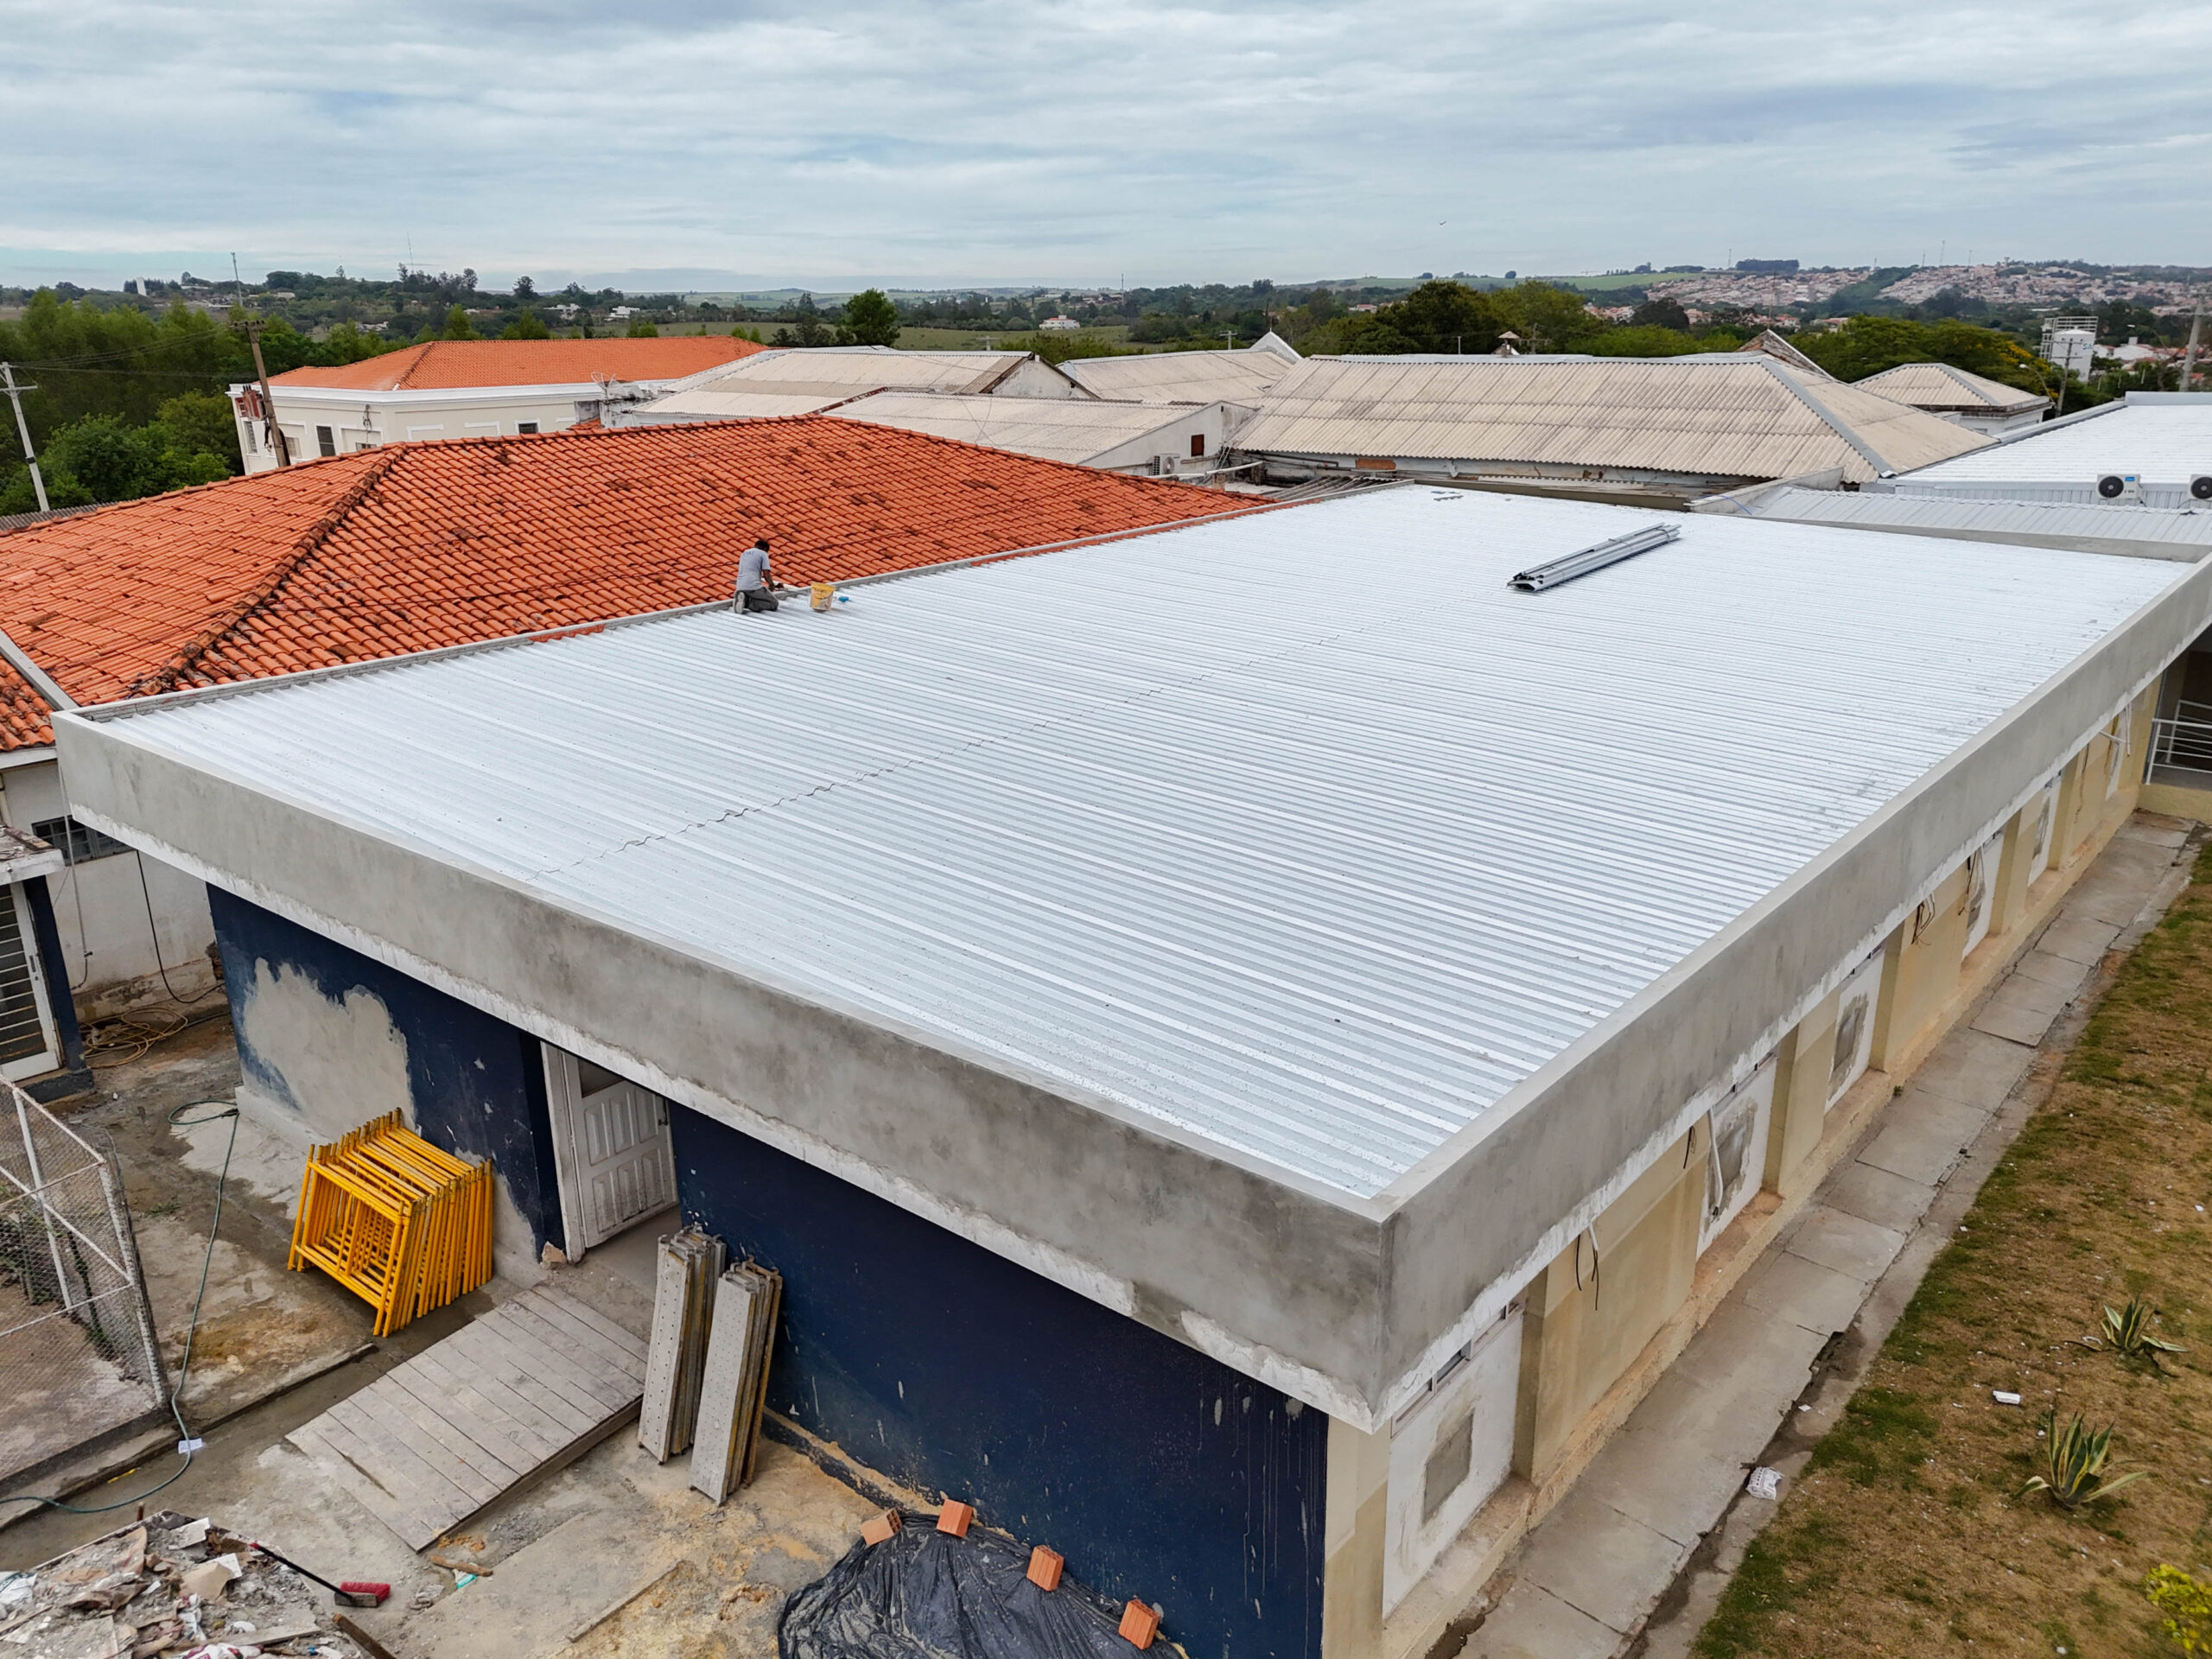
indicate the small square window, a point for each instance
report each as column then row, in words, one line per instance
column 326, row 441
column 80, row 843
column 1198, row 445
column 526, row 426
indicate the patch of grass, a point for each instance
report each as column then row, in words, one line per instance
column 1906, row 1534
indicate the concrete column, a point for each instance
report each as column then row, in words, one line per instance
column 2073, row 822
column 1593, row 1310
column 2008, row 890
column 1924, row 970
column 1355, row 1535
column 1803, row 1062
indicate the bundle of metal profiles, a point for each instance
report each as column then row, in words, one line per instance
column 683, row 1293
column 734, row 1387
column 403, row 1226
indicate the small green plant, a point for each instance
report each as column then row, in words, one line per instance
column 2074, row 1463
column 2187, row 1605
column 2127, row 1333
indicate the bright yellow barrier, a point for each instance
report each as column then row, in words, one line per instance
column 403, row 1225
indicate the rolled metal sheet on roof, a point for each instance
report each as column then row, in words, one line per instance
column 1736, row 417
column 1313, row 873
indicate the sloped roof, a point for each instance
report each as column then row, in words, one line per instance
column 1733, row 416
column 801, row 381
column 1941, row 386
column 1182, row 377
column 1070, row 429
column 453, row 365
column 416, row 546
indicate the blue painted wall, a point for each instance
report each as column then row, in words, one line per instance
column 1156, row 1471
column 477, row 1086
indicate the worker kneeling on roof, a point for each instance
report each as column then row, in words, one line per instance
column 756, row 583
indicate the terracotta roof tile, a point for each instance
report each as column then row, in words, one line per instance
column 447, row 364
column 416, row 546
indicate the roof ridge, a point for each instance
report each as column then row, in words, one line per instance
column 421, row 355
column 1835, row 423
column 195, row 650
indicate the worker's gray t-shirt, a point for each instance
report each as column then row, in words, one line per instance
column 752, row 569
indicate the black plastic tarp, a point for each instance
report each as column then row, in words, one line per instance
column 924, row 1594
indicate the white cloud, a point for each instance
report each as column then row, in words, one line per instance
column 1018, row 140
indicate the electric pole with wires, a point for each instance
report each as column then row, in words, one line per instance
column 22, row 428
column 277, row 447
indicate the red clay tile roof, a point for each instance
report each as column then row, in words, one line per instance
column 447, row 364
column 419, row 545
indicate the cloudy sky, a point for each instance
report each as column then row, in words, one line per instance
column 1016, row 141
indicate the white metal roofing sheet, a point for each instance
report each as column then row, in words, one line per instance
column 1299, row 830
column 2165, row 442
column 1056, row 429
column 1738, row 416
column 2183, row 533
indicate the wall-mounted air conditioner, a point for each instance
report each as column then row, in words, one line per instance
column 2121, row 487
column 2200, row 488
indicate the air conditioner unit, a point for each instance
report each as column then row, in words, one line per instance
column 2200, row 488
column 2121, row 486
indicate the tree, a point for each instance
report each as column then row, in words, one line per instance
column 1867, row 345
column 1548, row 318
column 526, row 326
column 642, row 329
column 1665, row 312
column 525, row 290
column 199, row 424
column 457, row 326
column 870, row 320
column 101, row 458
column 808, row 329
column 1444, row 316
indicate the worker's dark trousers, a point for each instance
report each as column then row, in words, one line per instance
column 756, row 598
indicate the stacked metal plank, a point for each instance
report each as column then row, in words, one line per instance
column 400, row 1224
column 683, row 1312
column 734, row 1387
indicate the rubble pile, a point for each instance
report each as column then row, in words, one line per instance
column 166, row 1584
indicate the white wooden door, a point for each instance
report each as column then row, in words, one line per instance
column 611, row 1149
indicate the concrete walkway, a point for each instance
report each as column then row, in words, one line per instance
column 1643, row 1529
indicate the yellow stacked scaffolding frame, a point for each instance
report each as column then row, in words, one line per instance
column 403, row 1226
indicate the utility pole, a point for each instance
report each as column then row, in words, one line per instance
column 31, row 458
column 2188, row 357
column 282, row 449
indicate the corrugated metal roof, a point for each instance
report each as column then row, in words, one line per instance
column 1314, row 872
column 1941, row 386
column 1070, row 429
column 1735, row 416
column 2143, row 532
column 791, row 382
column 1182, row 377
column 2166, row 442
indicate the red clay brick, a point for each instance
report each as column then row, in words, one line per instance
column 955, row 1517
column 879, row 1527
column 1140, row 1624
column 1044, row 1567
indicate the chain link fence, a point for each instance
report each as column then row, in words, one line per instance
column 78, row 1350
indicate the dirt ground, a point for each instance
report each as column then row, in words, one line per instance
column 1909, row 1532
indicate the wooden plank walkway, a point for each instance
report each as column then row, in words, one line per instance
column 529, row 1387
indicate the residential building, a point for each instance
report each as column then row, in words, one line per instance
column 1973, row 401
column 1245, row 1078
column 453, row 388
column 422, row 546
column 1149, row 438
column 1614, row 429
column 805, row 381
column 1059, row 326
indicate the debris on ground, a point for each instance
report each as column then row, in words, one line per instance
column 167, row 1584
